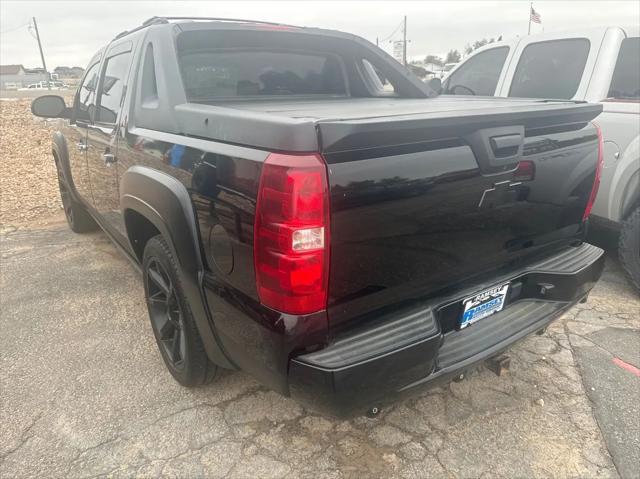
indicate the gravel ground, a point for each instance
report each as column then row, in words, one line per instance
column 85, row 393
column 28, row 185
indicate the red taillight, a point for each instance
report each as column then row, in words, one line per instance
column 526, row 171
column 291, row 234
column 596, row 180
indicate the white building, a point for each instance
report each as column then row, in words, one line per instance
column 13, row 77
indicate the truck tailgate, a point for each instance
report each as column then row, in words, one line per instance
column 422, row 202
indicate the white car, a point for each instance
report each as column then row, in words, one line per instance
column 42, row 85
column 595, row 65
column 446, row 69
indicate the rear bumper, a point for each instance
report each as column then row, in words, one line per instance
column 399, row 356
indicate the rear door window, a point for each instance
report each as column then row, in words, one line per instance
column 479, row 75
column 551, row 69
column 625, row 83
column 232, row 74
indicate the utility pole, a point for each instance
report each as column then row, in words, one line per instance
column 44, row 65
column 404, row 42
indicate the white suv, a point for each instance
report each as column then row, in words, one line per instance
column 595, row 65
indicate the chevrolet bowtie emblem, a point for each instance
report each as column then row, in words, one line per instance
column 496, row 190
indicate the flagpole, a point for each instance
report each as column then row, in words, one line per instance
column 530, row 8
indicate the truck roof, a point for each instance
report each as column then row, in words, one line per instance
column 629, row 31
column 213, row 23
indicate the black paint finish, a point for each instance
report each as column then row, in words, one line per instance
column 406, row 226
column 419, row 219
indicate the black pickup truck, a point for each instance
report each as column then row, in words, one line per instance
column 303, row 208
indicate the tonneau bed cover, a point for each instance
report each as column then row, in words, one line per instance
column 293, row 125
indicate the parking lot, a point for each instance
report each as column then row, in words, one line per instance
column 85, row 392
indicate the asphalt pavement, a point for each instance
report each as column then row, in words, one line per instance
column 85, row 392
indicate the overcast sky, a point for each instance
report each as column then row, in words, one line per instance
column 72, row 31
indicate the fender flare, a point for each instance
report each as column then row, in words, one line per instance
column 165, row 202
column 60, row 151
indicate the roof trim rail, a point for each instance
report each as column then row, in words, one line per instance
column 153, row 20
column 164, row 20
column 146, row 23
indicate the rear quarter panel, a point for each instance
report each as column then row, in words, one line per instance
column 620, row 124
column 222, row 181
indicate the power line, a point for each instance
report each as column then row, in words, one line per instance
column 15, row 28
column 30, row 29
column 393, row 33
column 402, row 25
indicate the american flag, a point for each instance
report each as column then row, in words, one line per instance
column 535, row 16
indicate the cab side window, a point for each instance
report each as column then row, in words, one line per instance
column 551, row 69
column 113, row 87
column 479, row 75
column 84, row 106
column 625, row 84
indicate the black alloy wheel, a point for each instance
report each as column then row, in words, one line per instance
column 172, row 321
column 165, row 313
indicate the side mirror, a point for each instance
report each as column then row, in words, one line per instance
column 50, row 106
column 435, row 84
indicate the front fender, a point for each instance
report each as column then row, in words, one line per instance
column 165, row 202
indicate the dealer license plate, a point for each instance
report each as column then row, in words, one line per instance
column 484, row 304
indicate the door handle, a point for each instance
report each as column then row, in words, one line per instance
column 82, row 146
column 109, row 159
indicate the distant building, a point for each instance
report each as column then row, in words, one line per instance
column 13, row 77
column 69, row 72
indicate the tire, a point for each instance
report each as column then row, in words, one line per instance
column 629, row 247
column 171, row 318
column 78, row 218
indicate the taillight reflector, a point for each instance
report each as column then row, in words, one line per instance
column 291, row 233
column 526, row 171
column 596, row 180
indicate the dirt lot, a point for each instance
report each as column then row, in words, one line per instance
column 28, row 190
column 85, row 393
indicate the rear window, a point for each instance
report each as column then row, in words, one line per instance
column 216, row 74
column 550, row 69
column 625, row 84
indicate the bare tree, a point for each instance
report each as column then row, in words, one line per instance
column 477, row 44
column 453, row 56
column 418, row 71
column 436, row 60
